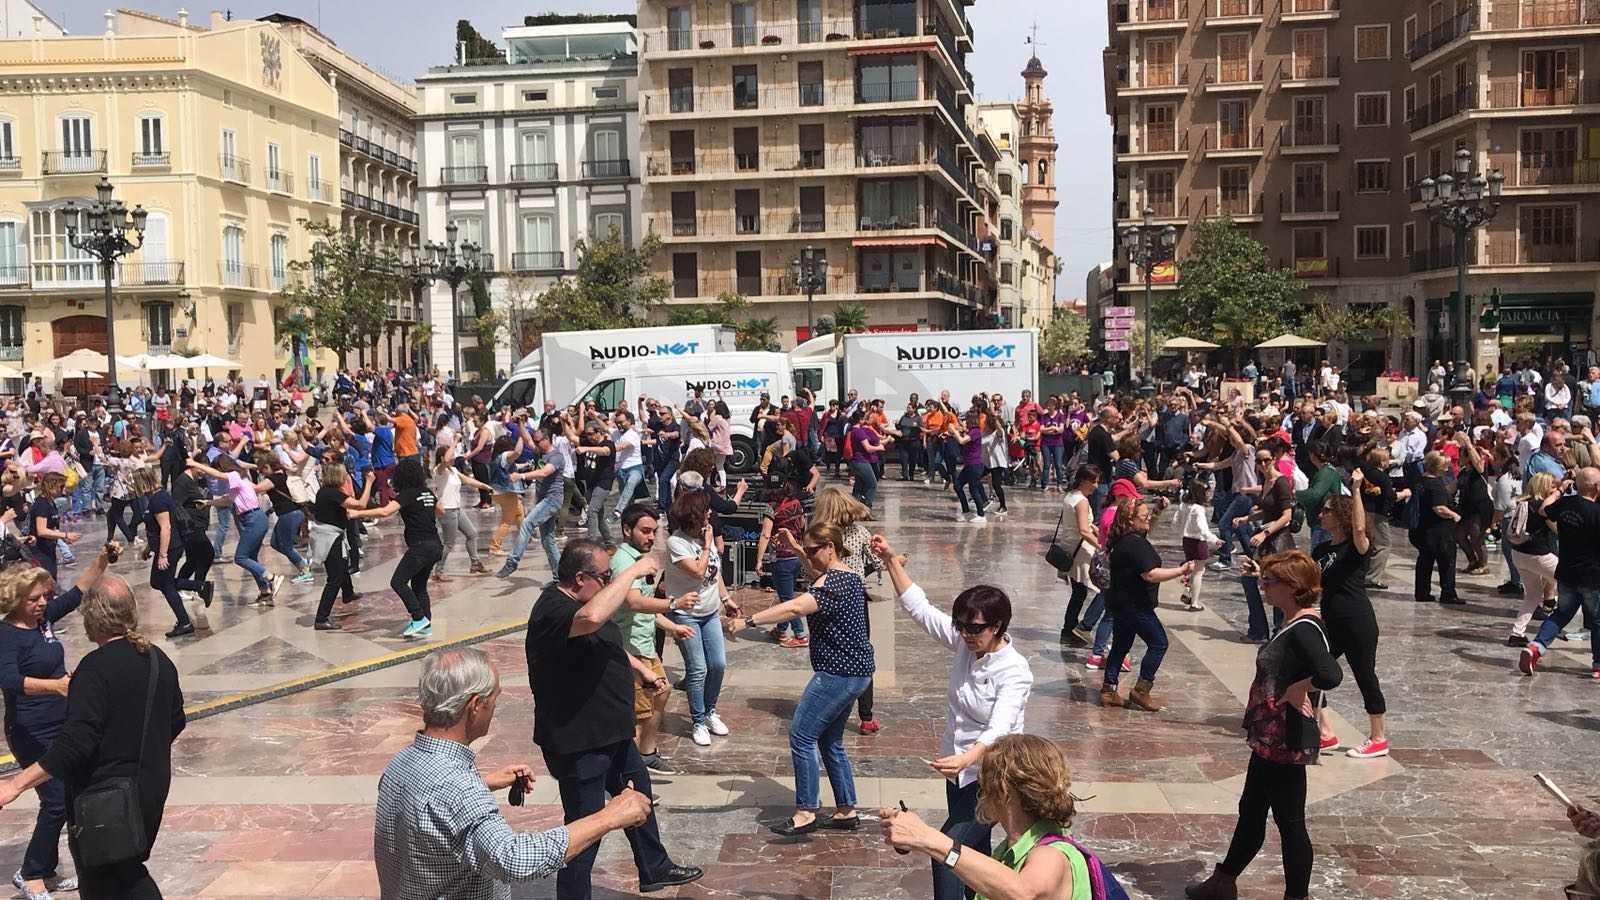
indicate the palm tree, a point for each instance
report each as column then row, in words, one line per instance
column 850, row 318
column 757, row 334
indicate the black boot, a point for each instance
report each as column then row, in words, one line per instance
column 1220, row 886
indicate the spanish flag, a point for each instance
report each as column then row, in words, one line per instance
column 1164, row 272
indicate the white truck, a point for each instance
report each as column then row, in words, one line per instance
column 890, row 366
column 568, row 360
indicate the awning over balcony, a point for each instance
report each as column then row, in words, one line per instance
column 926, row 240
column 897, row 48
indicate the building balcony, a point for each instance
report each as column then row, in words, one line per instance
column 10, row 165
column 1312, row 267
column 233, row 168
column 1518, row 15
column 1308, row 72
column 1227, row 13
column 781, row 161
column 13, row 277
column 1541, row 173
column 1515, row 93
column 87, row 162
column 238, row 275
column 1155, row 144
column 607, row 168
column 1152, row 15
column 1291, row 11
column 538, row 261
column 460, row 176
column 1308, row 207
column 1234, row 75
column 533, row 173
column 770, row 100
column 1243, row 208
column 1445, row 108
column 1308, row 139
column 1165, row 209
column 318, row 191
column 1445, row 35
column 787, row 36
column 280, row 181
column 1234, row 143
column 148, row 161
column 1430, row 259
column 150, row 273
column 1524, row 253
column 1153, row 79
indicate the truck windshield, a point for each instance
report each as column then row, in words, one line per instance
column 607, row 395
column 516, row 393
column 808, row 379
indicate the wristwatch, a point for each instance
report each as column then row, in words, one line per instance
column 951, row 858
column 749, row 621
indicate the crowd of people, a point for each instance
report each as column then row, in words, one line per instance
column 1298, row 494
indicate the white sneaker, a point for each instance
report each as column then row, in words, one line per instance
column 979, row 520
column 702, row 736
column 717, row 726
column 1219, row 566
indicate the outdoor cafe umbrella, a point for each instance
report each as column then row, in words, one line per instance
column 1183, row 343
column 1289, row 342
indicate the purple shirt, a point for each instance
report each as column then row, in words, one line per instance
column 1058, row 438
column 972, row 450
column 859, row 436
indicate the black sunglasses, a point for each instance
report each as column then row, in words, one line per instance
column 602, row 577
column 973, row 628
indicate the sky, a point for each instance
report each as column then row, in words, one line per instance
column 1071, row 36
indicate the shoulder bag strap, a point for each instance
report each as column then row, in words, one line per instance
column 149, row 706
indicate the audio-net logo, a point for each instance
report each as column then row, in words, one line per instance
column 600, row 357
column 746, row 384
column 926, row 357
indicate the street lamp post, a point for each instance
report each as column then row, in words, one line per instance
column 106, row 240
column 454, row 264
column 1147, row 245
column 1463, row 202
column 809, row 271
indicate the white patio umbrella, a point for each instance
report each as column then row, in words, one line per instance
column 207, row 361
column 1184, row 343
column 81, row 360
column 1289, row 342
column 8, row 372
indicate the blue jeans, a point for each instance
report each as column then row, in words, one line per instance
column 705, row 658
column 971, row 481
column 963, row 827
column 541, row 517
column 784, row 573
column 1128, row 624
column 1568, row 598
column 224, row 516
column 664, row 473
column 1097, row 500
column 1054, row 458
column 252, row 531
column 44, row 847
column 284, row 531
column 1239, row 505
column 819, row 721
column 97, row 486
column 630, row 478
column 866, row 486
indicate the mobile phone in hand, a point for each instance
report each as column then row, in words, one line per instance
column 1548, row 785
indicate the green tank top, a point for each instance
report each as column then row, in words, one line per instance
column 1015, row 855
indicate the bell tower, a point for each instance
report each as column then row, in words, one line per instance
column 1036, row 152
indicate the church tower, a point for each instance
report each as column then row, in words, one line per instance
column 1036, row 151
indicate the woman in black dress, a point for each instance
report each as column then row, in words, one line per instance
column 1475, row 502
column 1281, row 729
column 1347, row 614
column 1434, row 534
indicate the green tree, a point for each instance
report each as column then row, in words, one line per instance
column 757, row 334
column 850, row 318
column 344, row 288
column 612, row 288
column 1228, row 292
column 475, row 48
column 1064, row 341
column 726, row 311
column 1336, row 325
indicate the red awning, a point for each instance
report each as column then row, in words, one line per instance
column 897, row 48
column 925, row 240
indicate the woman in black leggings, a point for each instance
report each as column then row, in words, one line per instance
column 1281, row 728
column 416, row 504
column 1347, row 610
column 162, row 514
column 333, row 510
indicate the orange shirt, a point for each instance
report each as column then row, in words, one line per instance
column 936, row 422
column 405, row 435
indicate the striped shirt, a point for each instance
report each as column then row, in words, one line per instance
column 439, row 832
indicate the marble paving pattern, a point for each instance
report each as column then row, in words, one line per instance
column 275, row 799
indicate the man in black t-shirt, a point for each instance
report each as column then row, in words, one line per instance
column 582, row 679
column 1577, row 566
column 1100, row 443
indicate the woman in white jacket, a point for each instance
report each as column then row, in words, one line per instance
column 1198, row 539
column 989, row 685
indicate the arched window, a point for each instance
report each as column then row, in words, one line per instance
column 1044, row 171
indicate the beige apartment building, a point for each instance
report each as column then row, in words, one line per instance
column 203, row 127
column 1311, row 122
column 1024, row 264
column 839, row 127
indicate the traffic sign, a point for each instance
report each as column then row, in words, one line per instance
column 1117, row 312
column 1118, row 322
column 1117, row 334
column 1116, row 346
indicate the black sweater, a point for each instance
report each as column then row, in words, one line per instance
column 105, row 712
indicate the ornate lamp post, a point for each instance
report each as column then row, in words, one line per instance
column 107, row 240
column 454, row 264
column 1462, row 202
column 1147, row 245
column 809, row 272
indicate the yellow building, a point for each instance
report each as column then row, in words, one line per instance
column 225, row 135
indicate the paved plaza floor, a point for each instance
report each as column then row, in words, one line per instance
column 275, row 778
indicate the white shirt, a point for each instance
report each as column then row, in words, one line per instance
column 1528, row 445
column 1413, row 445
column 1499, row 418
column 627, row 444
column 1560, row 397
column 447, row 488
column 1193, row 523
column 987, row 694
column 561, row 456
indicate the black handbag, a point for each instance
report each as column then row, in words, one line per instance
column 1057, row 556
column 108, row 819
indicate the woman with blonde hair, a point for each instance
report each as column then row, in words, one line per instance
column 33, row 680
column 1531, row 538
column 1025, row 787
column 112, row 687
column 839, row 507
column 1280, row 724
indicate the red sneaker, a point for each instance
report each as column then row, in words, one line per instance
column 1369, row 750
column 1329, row 743
column 1529, row 660
column 794, row 642
column 869, row 726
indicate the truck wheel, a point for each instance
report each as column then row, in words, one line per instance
column 743, row 460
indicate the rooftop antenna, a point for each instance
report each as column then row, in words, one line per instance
column 1033, row 38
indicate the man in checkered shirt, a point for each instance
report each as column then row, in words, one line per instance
column 439, row 832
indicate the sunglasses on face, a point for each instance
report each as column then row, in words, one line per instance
column 972, row 628
column 813, row 549
column 602, row 577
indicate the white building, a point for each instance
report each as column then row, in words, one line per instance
column 1024, row 265
column 526, row 156
column 21, row 19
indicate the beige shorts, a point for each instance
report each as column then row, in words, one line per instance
column 644, row 698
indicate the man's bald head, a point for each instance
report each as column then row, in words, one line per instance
column 1587, row 482
column 111, row 587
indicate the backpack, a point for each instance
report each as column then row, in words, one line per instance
column 789, row 515
column 1102, row 884
column 849, row 446
column 1517, row 530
